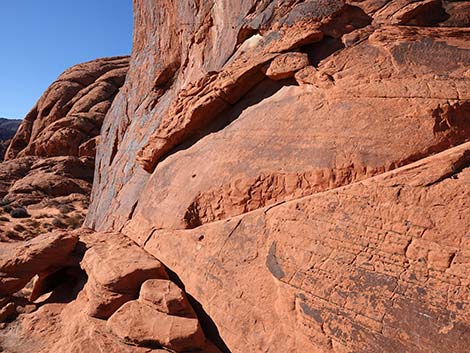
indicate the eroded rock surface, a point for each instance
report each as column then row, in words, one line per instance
column 276, row 176
column 161, row 316
column 50, row 160
column 116, row 268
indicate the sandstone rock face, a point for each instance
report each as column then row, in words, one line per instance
column 50, row 161
column 71, row 111
column 214, row 143
column 275, row 176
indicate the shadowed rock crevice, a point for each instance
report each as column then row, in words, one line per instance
column 260, row 92
column 318, row 51
column 64, row 285
column 425, row 13
column 456, row 167
column 208, row 325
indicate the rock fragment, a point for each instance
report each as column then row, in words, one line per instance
column 286, row 65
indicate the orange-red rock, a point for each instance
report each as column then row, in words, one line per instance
column 50, row 161
column 71, row 111
column 286, row 65
column 20, row 262
column 326, row 212
column 116, row 268
column 140, row 324
column 165, row 297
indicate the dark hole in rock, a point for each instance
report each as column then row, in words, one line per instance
column 64, row 285
column 318, row 51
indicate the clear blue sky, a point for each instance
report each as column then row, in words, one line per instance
column 39, row 39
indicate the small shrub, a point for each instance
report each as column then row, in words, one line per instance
column 12, row 235
column 48, row 227
column 32, row 223
column 19, row 228
column 58, row 223
column 5, row 202
column 75, row 221
column 64, row 209
column 42, row 215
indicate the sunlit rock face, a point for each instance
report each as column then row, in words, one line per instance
column 276, row 176
column 49, row 164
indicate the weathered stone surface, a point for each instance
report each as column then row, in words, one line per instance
column 165, row 296
column 374, row 266
column 20, row 262
column 71, row 111
column 326, row 212
column 140, row 324
column 286, row 65
column 116, row 268
column 50, row 161
column 220, row 144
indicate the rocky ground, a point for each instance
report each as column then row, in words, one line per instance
column 273, row 176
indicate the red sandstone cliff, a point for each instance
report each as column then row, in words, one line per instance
column 273, row 176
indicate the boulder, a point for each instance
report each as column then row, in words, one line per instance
column 166, row 297
column 116, row 268
column 140, row 324
column 161, row 316
column 20, row 262
column 286, row 65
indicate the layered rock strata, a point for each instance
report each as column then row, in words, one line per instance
column 276, row 176
column 48, row 168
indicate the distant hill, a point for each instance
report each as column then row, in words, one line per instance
column 8, row 129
